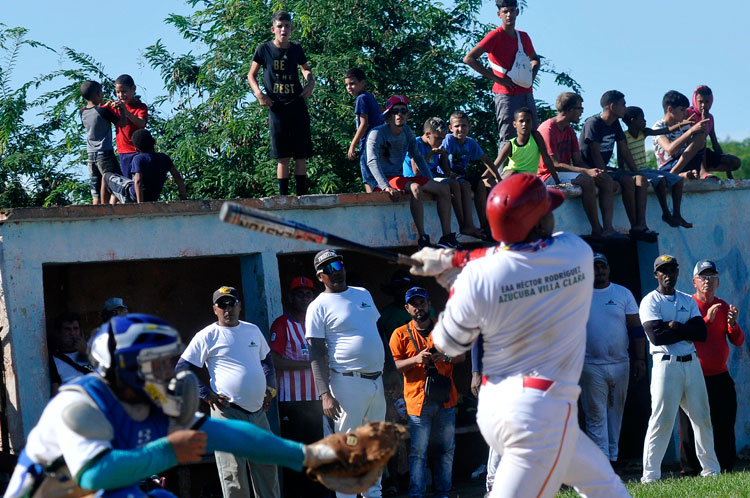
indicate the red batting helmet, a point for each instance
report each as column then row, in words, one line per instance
column 516, row 204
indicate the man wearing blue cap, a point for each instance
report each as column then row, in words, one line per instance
column 721, row 322
column 431, row 409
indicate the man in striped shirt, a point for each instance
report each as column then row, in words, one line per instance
column 299, row 408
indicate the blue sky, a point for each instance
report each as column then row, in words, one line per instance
column 642, row 48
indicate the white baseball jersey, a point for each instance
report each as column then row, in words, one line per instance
column 232, row 356
column 607, row 338
column 679, row 307
column 530, row 303
column 347, row 321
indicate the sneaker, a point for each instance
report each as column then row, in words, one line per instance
column 424, row 241
column 449, row 241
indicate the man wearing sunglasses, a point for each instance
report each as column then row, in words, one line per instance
column 346, row 352
column 238, row 360
column 721, row 322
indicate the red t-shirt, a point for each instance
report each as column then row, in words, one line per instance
column 123, row 133
column 501, row 50
column 563, row 144
column 713, row 353
column 288, row 340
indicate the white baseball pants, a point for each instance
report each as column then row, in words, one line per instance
column 362, row 400
column 604, row 388
column 678, row 384
column 536, row 432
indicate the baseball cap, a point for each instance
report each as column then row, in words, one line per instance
column 703, row 265
column 600, row 258
column 225, row 291
column 325, row 256
column 298, row 282
column 396, row 99
column 664, row 259
column 113, row 303
column 415, row 292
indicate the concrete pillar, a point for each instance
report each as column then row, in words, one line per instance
column 261, row 289
column 25, row 357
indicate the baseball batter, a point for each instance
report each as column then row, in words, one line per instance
column 529, row 299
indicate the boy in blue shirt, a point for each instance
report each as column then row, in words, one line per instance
column 461, row 150
column 148, row 172
column 367, row 116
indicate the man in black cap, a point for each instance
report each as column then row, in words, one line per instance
column 243, row 381
column 672, row 322
column 346, row 352
column 721, row 322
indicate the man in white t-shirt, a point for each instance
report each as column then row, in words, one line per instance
column 346, row 351
column 612, row 323
column 243, row 382
column 672, row 322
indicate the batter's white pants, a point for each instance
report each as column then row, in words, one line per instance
column 537, row 434
column 361, row 400
column 678, row 384
column 604, row 388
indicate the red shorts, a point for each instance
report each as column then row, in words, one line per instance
column 400, row 182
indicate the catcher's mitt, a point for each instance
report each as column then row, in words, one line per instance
column 361, row 456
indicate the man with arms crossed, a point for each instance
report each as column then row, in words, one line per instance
column 529, row 299
column 672, row 322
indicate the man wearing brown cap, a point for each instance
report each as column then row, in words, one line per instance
column 672, row 322
column 299, row 408
column 346, row 351
column 238, row 360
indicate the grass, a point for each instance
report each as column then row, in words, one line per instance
column 732, row 485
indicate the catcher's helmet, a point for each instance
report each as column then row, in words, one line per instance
column 516, row 204
column 138, row 351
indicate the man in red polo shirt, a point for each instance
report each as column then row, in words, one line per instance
column 721, row 322
column 300, row 411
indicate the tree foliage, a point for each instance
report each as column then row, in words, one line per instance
column 218, row 134
column 208, row 119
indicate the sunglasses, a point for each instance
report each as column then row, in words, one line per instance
column 708, row 278
column 227, row 304
column 332, row 267
column 400, row 110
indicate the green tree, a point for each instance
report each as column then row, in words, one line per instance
column 218, row 134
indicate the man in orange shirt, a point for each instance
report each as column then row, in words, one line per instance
column 429, row 417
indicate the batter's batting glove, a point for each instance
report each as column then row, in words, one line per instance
column 434, row 261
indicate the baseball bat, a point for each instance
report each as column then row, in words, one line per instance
column 265, row 222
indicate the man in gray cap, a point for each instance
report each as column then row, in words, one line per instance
column 613, row 323
column 672, row 322
column 346, row 351
column 721, row 322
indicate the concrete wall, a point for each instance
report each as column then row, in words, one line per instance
column 177, row 232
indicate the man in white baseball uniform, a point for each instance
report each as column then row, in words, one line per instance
column 529, row 298
column 346, row 352
column 672, row 322
column 613, row 323
column 243, row 382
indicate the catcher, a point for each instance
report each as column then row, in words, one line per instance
column 134, row 417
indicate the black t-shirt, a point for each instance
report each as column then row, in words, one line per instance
column 280, row 73
column 153, row 169
column 607, row 136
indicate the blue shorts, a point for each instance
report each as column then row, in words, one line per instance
column 654, row 177
column 120, row 187
column 694, row 164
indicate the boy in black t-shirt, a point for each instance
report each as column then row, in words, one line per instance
column 285, row 98
column 149, row 172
